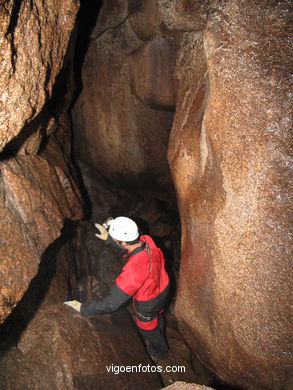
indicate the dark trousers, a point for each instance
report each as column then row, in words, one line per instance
column 156, row 337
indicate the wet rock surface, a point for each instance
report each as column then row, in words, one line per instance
column 152, row 73
column 117, row 133
column 38, row 191
column 34, row 203
column 229, row 156
column 33, row 40
column 231, row 138
column 62, row 349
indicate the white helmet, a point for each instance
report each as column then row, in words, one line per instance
column 123, row 229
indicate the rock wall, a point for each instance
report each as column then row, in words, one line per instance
column 60, row 349
column 186, row 386
column 37, row 188
column 33, row 40
column 229, row 156
column 34, row 205
column 123, row 116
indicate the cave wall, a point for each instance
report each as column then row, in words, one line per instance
column 34, row 37
column 229, row 157
column 38, row 191
column 123, row 116
column 60, row 349
column 231, row 137
column 43, row 343
column 228, row 152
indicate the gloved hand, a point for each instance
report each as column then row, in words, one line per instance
column 74, row 304
column 103, row 232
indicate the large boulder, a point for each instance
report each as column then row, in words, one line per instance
column 35, row 199
column 37, row 189
column 60, row 349
column 229, row 156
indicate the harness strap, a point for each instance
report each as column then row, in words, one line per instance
column 150, row 258
column 138, row 314
column 141, row 316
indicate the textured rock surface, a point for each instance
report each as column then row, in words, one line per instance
column 150, row 19
column 37, row 191
column 33, row 40
column 115, row 132
column 35, row 200
column 186, row 386
column 152, row 73
column 181, row 364
column 229, row 153
column 229, row 158
column 60, row 349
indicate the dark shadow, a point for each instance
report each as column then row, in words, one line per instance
column 143, row 226
column 14, row 17
column 169, row 268
column 11, row 28
column 218, row 385
column 38, row 123
column 87, row 203
column 16, row 323
column 86, row 20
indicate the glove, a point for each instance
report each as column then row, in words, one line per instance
column 103, row 233
column 74, row 304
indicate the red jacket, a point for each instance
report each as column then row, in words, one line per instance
column 144, row 276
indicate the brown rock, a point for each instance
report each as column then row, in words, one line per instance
column 186, row 386
column 33, row 41
column 229, row 152
column 183, row 15
column 115, row 132
column 34, row 204
column 62, row 349
column 152, row 73
column 112, row 14
column 149, row 19
column 144, row 19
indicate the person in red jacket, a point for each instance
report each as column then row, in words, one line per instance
column 143, row 278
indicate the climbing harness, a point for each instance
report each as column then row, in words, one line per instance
column 137, row 313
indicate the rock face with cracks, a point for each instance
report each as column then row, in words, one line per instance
column 36, row 197
column 229, row 156
column 60, row 349
column 123, row 116
column 33, row 40
column 37, row 190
